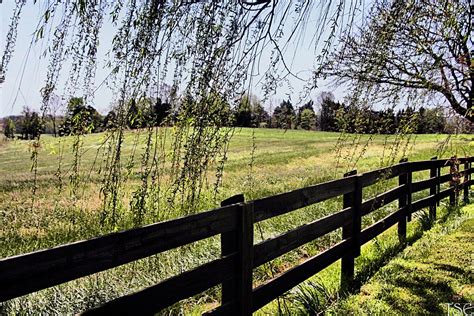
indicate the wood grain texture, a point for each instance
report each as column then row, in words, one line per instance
column 31, row 272
column 382, row 199
column 270, row 290
column 283, row 203
column 153, row 299
column 275, row 247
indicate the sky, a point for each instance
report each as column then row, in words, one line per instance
column 27, row 69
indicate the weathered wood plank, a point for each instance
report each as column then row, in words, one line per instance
column 379, row 227
column 275, row 247
column 153, row 299
column 434, row 173
column 31, row 272
column 427, row 164
column 372, row 177
column 424, row 184
column 422, row 203
column 382, row 199
column 445, row 193
column 270, row 290
column 444, row 178
column 285, row 202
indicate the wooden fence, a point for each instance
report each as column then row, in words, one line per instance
column 234, row 221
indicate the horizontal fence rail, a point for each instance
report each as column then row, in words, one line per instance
column 234, row 222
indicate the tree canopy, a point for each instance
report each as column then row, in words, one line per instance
column 410, row 50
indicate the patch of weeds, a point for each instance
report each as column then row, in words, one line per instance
column 314, row 297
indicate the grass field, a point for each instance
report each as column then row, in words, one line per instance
column 260, row 162
column 435, row 271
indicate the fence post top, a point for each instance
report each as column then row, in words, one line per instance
column 350, row 173
column 238, row 198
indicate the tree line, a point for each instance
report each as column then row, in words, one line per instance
column 332, row 116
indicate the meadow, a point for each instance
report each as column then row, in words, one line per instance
column 260, row 163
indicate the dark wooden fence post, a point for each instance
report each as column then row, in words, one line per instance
column 433, row 174
column 438, row 184
column 244, row 277
column 452, row 183
column 228, row 246
column 409, row 191
column 466, row 182
column 347, row 262
column 352, row 230
column 402, row 204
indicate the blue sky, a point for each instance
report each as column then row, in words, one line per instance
column 26, row 72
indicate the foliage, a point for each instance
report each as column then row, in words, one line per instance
column 307, row 119
column 284, row 116
column 410, row 51
column 282, row 161
column 9, row 128
column 329, row 112
column 160, row 112
column 340, row 117
column 208, row 50
column 80, row 119
column 110, row 120
column 424, row 277
column 250, row 113
column 30, row 126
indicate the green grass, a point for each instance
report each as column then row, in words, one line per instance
column 434, row 271
column 282, row 161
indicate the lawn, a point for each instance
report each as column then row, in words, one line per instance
column 432, row 277
column 260, row 162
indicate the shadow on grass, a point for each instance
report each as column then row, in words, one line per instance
column 387, row 252
column 421, row 290
column 315, row 297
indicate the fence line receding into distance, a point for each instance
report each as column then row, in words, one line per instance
column 234, row 222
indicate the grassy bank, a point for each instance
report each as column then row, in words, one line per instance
column 426, row 277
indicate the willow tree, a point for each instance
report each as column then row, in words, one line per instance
column 410, row 50
column 208, row 50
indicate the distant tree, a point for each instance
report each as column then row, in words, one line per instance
column 30, row 126
column 250, row 112
column 329, row 112
column 134, row 115
column 407, row 120
column 431, row 121
column 260, row 117
column 386, row 123
column 54, row 104
column 110, row 120
column 309, row 106
column 160, row 111
column 9, row 128
column 307, row 119
column 284, row 116
column 243, row 115
column 80, row 119
column 243, row 112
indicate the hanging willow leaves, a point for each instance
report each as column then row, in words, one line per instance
column 207, row 50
